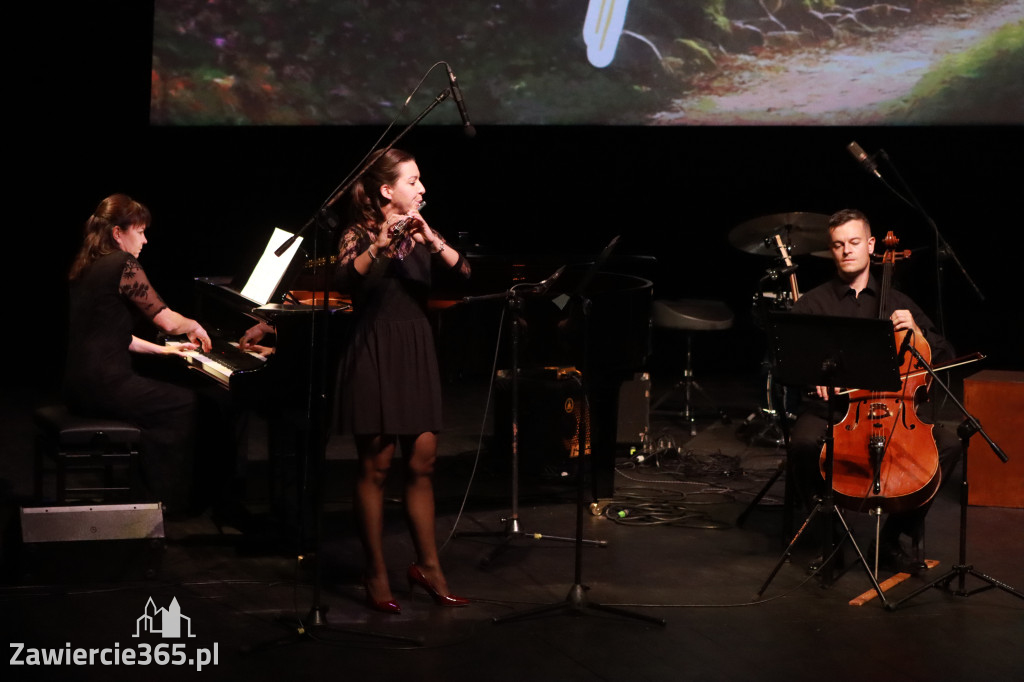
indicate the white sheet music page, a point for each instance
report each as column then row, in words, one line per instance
column 270, row 269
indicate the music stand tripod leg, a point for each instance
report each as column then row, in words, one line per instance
column 576, row 600
column 827, row 504
column 742, row 518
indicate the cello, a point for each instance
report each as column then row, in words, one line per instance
column 884, row 456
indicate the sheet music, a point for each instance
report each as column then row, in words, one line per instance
column 270, row 268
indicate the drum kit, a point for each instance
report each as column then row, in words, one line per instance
column 780, row 237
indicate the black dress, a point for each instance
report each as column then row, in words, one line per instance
column 106, row 301
column 390, row 381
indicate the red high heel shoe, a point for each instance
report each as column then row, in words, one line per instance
column 382, row 606
column 416, row 577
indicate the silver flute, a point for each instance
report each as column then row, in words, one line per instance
column 399, row 229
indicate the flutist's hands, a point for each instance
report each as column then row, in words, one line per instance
column 419, row 229
column 421, row 232
column 401, row 225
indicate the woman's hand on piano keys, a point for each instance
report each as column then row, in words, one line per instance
column 199, row 337
column 180, row 348
column 177, row 324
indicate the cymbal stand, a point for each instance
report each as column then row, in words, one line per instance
column 769, row 428
column 512, row 529
column 576, row 600
column 968, row 427
column 778, row 427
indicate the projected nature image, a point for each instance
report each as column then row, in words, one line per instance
column 693, row 62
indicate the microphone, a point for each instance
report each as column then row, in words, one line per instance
column 457, row 94
column 543, row 287
column 868, row 162
column 908, row 340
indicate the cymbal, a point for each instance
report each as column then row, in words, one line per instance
column 802, row 232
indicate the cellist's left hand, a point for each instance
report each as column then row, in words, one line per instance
column 903, row 320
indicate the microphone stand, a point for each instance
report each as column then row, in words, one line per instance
column 347, row 185
column 316, row 437
column 943, row 250
column 968, row 428
column 514, row 301
column 576, row 601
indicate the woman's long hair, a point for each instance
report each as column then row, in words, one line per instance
column 366, row 204
column 117, row 210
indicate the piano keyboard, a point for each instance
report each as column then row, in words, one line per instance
column 223, row 360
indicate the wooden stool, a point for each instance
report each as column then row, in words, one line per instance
column 102, row 452
column 689, row 316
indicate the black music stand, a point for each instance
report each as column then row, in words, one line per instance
column 576, row 600
column 968, row 427
column 822, row 350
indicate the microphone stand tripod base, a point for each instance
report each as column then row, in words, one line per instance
column 576, row 602
column 961, row 569
column 513, row 531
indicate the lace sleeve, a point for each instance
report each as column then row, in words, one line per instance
column 353, row 243
column 136, row 288
column 461, row 266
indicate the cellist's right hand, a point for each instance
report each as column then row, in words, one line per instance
column 822, row 391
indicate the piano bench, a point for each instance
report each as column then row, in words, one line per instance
column 91, row 459
column 688, row 316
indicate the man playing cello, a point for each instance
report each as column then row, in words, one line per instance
column 855, row 292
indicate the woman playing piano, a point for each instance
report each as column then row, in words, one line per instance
column 390, row 394
column 109, row 293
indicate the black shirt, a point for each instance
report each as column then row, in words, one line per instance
column 837, row 298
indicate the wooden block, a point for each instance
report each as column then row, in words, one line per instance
column 888, row 584
column 996, row 399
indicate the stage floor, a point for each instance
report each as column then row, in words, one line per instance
column 676, row 553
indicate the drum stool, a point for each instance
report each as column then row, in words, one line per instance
column 689, row 316
column 92, row 459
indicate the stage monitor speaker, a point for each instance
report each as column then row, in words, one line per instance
column 91, row 543
column 93, row 522
column 634, row 411
column 552, row 425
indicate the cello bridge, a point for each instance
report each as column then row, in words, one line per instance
column 879, row 411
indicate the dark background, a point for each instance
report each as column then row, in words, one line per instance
column 79, row 131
